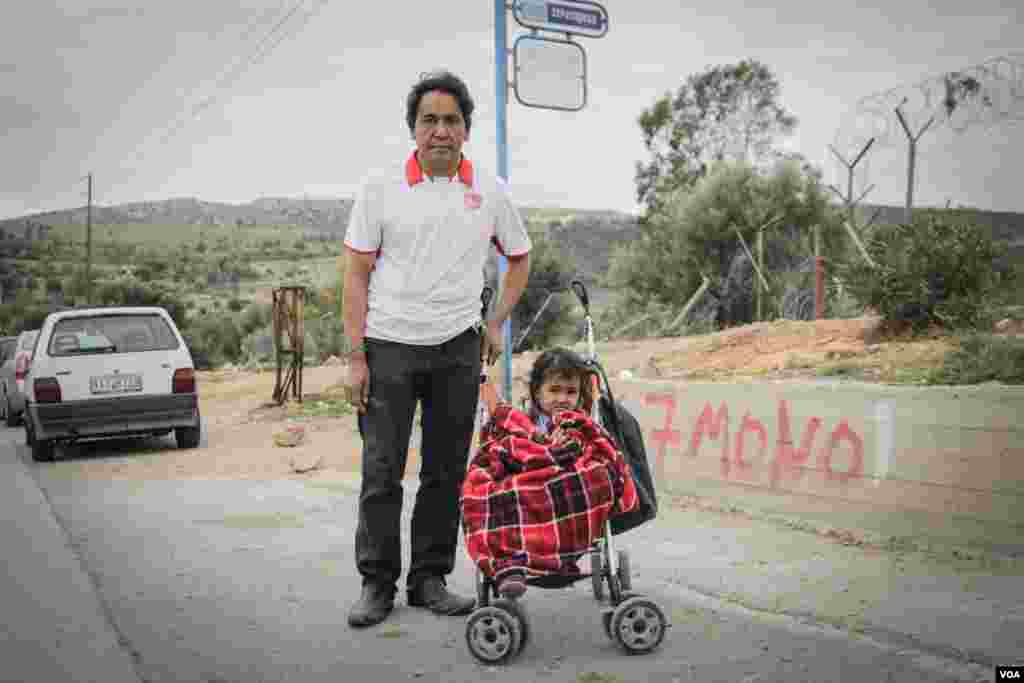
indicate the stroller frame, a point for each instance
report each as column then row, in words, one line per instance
column 499, row 629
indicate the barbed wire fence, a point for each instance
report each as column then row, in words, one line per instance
column 983, row 98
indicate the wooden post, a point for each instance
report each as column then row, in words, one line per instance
column 760, row 265
column 88, row 246
column 819, row 276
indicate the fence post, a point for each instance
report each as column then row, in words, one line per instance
column 689, row 304
column 860, row 245
column 819, row 276
column 528, row 327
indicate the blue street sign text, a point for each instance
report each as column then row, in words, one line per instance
column 575, row 17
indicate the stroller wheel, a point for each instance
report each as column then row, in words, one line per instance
column 638, row 625
column 606, row 621
column 606, row 616
column 597, row 572
column 483, row 592
column 625, row 580
column 492, row 634
column 518, row 610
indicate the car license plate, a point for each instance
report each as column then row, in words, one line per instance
column 115, row 384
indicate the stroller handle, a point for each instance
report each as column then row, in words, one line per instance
column 581, row 293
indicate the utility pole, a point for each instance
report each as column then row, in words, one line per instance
column 88, row 245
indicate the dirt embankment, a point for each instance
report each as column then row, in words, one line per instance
column 241, row 420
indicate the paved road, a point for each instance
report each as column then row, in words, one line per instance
column 237, row 581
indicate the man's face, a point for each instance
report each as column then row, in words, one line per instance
column 440, row 133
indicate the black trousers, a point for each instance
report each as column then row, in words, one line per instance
column 445, row 379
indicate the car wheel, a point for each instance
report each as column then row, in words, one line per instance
column 10, row 419
column 187, row 437
column 43, row 451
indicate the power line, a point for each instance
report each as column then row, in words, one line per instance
column 237, row 68
column 263, row 48
column 231, row 73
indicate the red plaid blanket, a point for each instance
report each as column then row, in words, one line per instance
column 538, row 502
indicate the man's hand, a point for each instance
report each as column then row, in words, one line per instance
column 493, row 343
column 357, row 385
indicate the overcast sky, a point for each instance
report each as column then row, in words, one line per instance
column 112, row 88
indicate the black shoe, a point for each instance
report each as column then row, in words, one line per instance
column 435, row 596
column 373, row 607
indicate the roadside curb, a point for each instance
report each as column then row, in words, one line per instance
column 967, row 666
column 849, row 536
column 65, row 628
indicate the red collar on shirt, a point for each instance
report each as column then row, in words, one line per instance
column 414, row 172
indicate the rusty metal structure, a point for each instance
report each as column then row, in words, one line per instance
column 289, row 337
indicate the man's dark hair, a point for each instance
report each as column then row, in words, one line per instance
column 565, row 362
column 445, row 81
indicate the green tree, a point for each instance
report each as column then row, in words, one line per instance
column 728, row 112
column 550, row 272
column 695, row 234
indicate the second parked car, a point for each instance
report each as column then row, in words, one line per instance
column 108, row 372
column 13, row 368
column 7, row 347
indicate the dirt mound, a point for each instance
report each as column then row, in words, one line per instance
column 784, row 349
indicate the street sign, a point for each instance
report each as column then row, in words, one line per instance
column 580, row 17
column 549, row 73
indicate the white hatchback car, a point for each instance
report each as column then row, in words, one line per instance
column 109, row 372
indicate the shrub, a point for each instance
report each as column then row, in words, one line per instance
column 217, row 339
column 983, row 358
column 255, row 317
column 550, row 271
column 933, row 271
column 640, row 320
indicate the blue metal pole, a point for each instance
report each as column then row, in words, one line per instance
column 501, row 92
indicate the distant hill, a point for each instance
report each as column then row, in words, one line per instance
column 330, row 215
column 586, row 236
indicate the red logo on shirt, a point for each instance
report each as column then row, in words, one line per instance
column 473, row 200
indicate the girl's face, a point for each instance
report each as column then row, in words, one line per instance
column 559, row 392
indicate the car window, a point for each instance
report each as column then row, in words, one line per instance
column 114, row 333
column 6, row 347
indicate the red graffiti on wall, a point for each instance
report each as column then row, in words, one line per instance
column 744, row 469
column 856, row 467
column 666, row 436
column 789, row 462
column 715, row 426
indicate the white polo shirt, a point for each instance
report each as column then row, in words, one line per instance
column 431, row 239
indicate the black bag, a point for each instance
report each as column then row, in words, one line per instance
column 625, row 429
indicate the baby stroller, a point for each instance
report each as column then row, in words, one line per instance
column 499, row 629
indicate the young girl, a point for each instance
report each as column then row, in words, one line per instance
column 559, row 381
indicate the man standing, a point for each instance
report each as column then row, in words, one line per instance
column 416, row 246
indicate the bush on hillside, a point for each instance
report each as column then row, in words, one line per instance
column 550, row 271
column 983, row 358
column 934, row 271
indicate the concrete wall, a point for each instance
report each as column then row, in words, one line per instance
column 859, row 451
